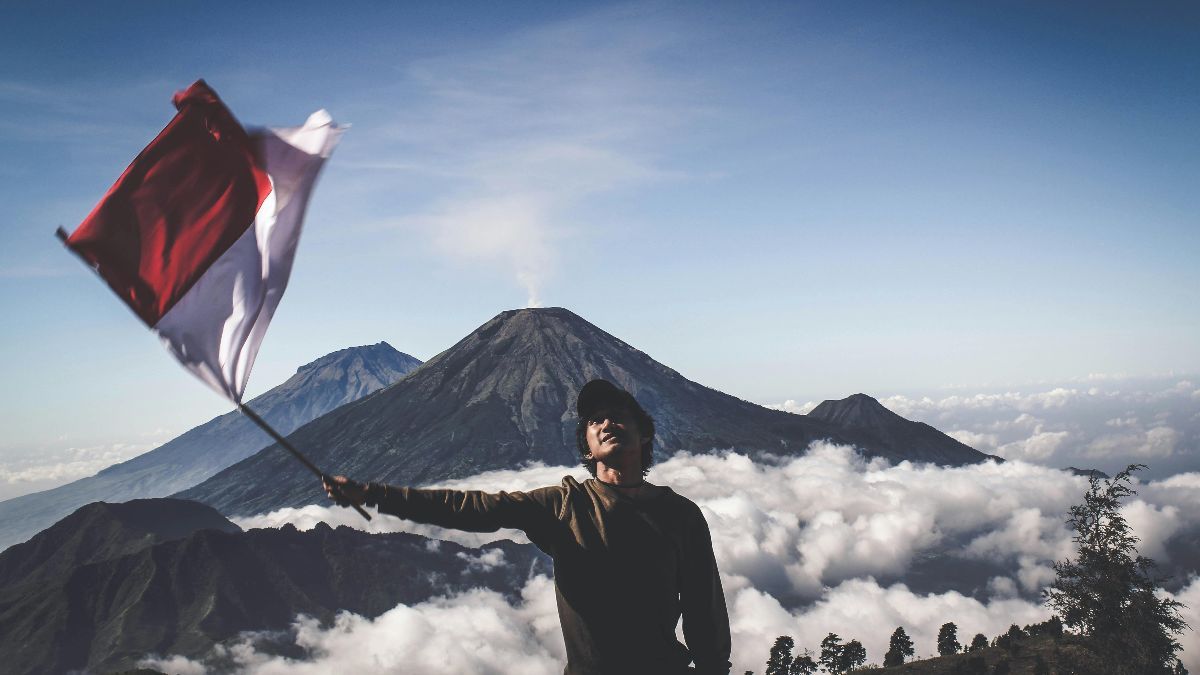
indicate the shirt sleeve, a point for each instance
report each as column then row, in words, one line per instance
column 705, row 618
column 534, row 512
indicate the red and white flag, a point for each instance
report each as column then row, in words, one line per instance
column 198, row 235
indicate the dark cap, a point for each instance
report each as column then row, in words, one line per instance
column 600, row 394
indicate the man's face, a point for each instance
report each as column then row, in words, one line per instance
column 613, row 436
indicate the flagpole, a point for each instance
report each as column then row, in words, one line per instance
column 296, row 453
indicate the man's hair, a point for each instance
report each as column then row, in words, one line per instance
column 645, row 425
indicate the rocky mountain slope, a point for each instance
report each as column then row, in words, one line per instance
column 323, row 385
column 101, row 531
column 115, row 582
column 504, row 396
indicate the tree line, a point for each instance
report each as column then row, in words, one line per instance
column 1105, row 596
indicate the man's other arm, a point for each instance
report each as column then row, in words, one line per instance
column 705, row 619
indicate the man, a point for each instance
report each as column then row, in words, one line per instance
column 630, row 558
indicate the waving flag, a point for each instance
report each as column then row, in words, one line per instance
column 198, row 235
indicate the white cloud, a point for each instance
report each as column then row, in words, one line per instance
column 1136, row 444
column 1190, row 640
column 794, row 406
column 32, row 471
column 176, row 665
column 1040, row 446
column 484, row 561
column 477, row 631
column 1154, row 525
column 980, row 441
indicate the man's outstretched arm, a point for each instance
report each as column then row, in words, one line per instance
column 470, row 510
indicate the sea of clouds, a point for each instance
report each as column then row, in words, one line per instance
column 27, row 470
column 805, row 547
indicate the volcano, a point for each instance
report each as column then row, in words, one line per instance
column 504, row 395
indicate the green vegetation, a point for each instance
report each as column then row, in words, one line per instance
column 977, row 643
column 803, row 664
column 899, row 647
column 1108, row 591
column 947, row 639
column 780, row 660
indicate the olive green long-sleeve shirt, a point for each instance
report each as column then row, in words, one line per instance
column 625, row 569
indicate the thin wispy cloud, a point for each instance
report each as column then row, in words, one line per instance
column 96, row 116
column 34, row 271
column 521, row 131
column 31, row 471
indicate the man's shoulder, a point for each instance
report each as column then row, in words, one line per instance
column 682, row 503
column 557, row 493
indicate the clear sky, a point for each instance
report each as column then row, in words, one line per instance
column 779, row 200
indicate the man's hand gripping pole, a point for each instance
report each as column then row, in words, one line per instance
column 338, row 496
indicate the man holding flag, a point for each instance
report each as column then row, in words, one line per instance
column 197, row 236
column 630, row 558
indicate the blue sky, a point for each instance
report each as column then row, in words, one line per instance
column 779, row 200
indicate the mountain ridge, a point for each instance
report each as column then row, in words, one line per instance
column 102, row 530
column 105, row 609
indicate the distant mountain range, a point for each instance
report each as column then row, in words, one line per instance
column 504, row 396
column 317, row 388
column 113, row 583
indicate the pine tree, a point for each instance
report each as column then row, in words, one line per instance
column 899, row 647
column 831, row 653
column 803, row 664
column 780, row 660
column 853, row 656
column 1011, row 639
column 1051, row 627
column 978, row 642
column 947, row 640
column 1108, row 591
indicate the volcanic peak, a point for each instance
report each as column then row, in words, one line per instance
column 856, row 410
